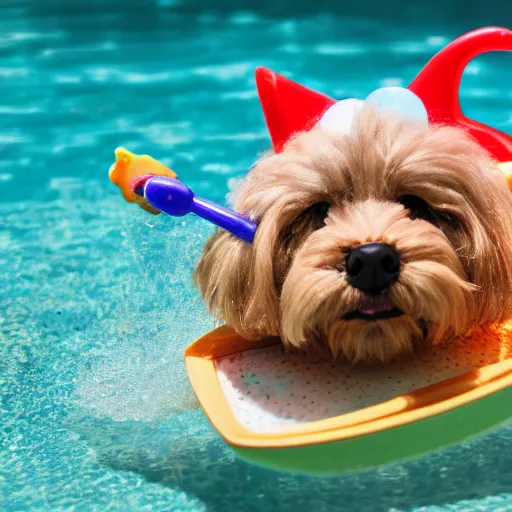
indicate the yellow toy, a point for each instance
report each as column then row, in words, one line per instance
column 128, row 167
column 506, row 169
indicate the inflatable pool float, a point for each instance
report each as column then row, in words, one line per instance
column 295, row 412
column 300, row 412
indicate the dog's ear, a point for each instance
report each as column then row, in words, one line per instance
column 236, row 282
column 489, row 241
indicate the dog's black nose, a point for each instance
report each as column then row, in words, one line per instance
column 373, row 267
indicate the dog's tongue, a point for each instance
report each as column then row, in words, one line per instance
column 377, row 306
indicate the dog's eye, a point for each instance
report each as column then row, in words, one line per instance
column 420, row 209
column 319, row 210
column 307, row 221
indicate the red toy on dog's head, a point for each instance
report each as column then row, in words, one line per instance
column 291, row 108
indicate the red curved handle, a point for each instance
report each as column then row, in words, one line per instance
column 438, row 86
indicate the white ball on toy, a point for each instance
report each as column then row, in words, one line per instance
column 399, row 102
column 339, row 118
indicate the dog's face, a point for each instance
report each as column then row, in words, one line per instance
column 370, row 242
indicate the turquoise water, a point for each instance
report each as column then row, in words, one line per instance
column 96, row 304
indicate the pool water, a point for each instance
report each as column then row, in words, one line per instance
column 96, row 300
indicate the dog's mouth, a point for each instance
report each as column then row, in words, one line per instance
column 374, row 308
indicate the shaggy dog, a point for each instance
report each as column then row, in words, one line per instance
column 370, row 243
